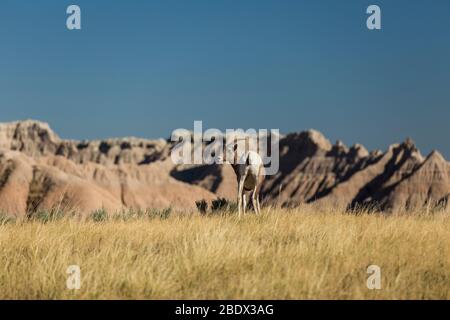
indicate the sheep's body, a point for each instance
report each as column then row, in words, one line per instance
column 250, row 175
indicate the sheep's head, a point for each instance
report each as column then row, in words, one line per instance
column 229, row 153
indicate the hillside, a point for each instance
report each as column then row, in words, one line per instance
column 39, row 170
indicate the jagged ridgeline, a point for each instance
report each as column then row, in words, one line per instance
column 40, row 171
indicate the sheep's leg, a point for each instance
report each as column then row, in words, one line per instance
column 244, row 198
column 240, row 195
column 239, row 198
column 258, row 191
column 258, row 204
column 254, row 201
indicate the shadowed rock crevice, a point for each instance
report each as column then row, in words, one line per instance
column 6, row 172
column 38, row 189
column 375, row 192
column 208, row 176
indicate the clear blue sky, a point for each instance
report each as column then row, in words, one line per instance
column 144, row 68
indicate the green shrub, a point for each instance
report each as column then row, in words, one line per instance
column 5, row 218
column 46, row 216
column 159, row 213
column 223, row 206
column 202, row 206
column 99, row 215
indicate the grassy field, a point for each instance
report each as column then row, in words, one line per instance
column 304, row 253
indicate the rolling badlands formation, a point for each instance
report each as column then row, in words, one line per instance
column 39, row 171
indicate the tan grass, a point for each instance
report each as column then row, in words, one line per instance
column 303, row 253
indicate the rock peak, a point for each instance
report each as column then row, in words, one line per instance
column 436, row 156
column 409, row 144
column 29, row 136
column 317, row 138
column 359, row 150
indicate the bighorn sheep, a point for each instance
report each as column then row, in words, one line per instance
column 250, row 175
